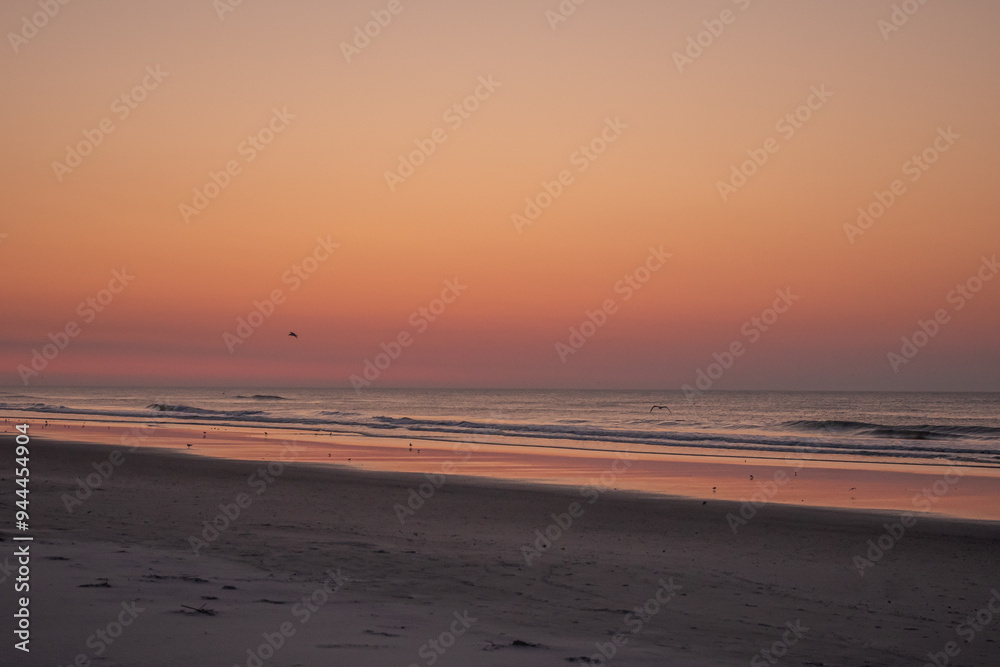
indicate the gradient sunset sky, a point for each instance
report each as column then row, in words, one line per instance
column 893, row 94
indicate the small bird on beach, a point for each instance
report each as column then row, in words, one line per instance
column 751, row 478
column 293, row 334
column 662, row 407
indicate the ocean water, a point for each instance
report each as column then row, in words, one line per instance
column 919, row 427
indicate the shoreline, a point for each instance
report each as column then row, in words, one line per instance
column 945, row 488
column 551, row 442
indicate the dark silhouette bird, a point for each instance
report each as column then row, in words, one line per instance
column 661, row 407
column 293, row 334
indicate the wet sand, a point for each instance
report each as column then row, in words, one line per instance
column 960, row 491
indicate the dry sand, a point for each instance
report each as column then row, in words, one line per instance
column 459, row 561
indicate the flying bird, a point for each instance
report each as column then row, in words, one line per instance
column 293, row 334
column 661, row 407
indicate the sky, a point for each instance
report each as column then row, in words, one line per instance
column 485, row 194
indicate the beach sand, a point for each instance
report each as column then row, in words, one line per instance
column 652, row 580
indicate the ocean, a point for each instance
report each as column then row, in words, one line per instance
column 919, row 427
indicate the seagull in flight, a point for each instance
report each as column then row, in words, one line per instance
column 293, row 334
column 661, row 407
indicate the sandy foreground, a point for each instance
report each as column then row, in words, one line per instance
column 319, row 565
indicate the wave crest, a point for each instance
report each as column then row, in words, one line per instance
column 264, row 397
column 915, row 432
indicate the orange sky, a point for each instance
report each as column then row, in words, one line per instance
column 323, row 176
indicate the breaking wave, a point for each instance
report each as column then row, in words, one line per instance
column 919, row 432
column 264, row 397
